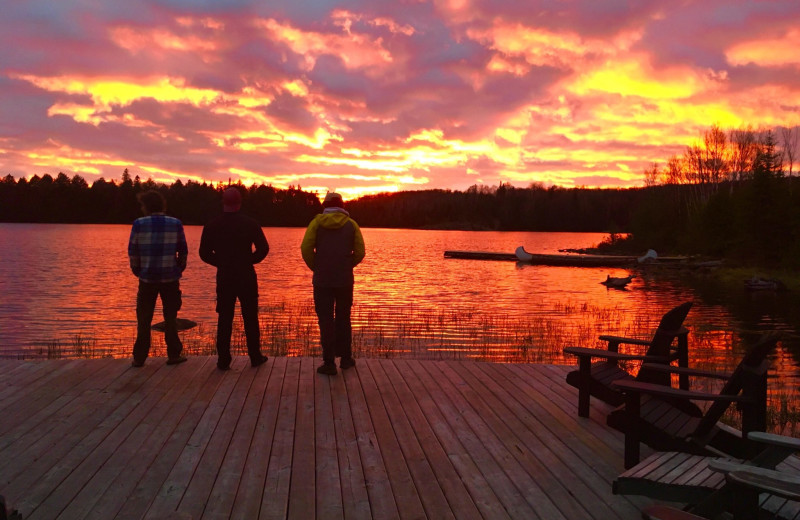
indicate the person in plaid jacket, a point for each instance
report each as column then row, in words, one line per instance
column 157, row 251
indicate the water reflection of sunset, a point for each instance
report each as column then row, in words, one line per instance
column 72, row 291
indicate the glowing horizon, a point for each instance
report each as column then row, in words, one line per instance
column 369, row 97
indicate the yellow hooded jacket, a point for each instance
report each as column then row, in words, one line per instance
column 332, row 246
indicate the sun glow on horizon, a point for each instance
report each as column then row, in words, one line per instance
column 395, row 97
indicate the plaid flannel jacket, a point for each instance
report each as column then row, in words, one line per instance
column 157, row 248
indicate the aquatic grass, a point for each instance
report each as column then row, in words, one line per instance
column 413, row 332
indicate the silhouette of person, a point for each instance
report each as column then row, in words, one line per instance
column 331, row 248
column 234, row 243
column 157, row 252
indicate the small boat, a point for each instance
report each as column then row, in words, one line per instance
column 648, row 257
column 522, row 255
column 764, row 284
column 574, row 260
column 617, row 283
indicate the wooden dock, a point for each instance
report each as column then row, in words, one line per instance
column 389, row 439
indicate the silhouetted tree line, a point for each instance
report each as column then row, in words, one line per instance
column 72, row 200
column 500, row 208
column 732, row 195
column 65, row 200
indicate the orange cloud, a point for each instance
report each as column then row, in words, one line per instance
column 139, row 39
column 634, row 77
column 123, row 91
column 767, row 52
column 357, row 51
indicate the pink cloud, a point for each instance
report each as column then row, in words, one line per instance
column 405, row 94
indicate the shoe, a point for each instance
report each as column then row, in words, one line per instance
column 346, row 363
column 258, row 362
column 329, row 369
column 176, row 360
column 137, row 364
column 223, row 367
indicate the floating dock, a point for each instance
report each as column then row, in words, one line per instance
column 480, row 255
column 554, row 260
column 576, row 260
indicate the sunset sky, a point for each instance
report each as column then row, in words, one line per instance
column 372, row 96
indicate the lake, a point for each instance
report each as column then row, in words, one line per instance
column 67, row 291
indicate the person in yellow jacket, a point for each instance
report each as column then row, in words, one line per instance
column 331, row 248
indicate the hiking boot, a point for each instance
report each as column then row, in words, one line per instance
column 258, row 362
column 176, row 360
column 346, row 363
column 329, row 369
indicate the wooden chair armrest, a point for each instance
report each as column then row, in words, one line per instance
column 782, row 441
column 675, row 393
column 660, row 367
column 725, row 465
column 778, row 483
column 620, row 340
column 608, row 354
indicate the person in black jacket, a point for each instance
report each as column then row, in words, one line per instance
column 234, row 243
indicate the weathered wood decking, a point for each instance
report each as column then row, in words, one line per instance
column 389, row 439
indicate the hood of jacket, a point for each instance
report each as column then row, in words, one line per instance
column 333, row 219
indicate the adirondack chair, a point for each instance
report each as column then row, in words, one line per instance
column 663, row 426
column 749, row 483
column 596, row 379
column 710, row 485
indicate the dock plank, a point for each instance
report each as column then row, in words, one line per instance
column 174, row 488
column 42, row 466
column 478, row 441
column 551, row 459
column 163, row 455
column 197, row 494
column 390, row 438
column 93, row 478
column 381, row 500
column 531, row 501
column 275, row 500
column 66, row 380
column 464, row 461
column 223, row 495
column 328, row 485
column 254, row 473
column 427, row 496
column 355, row 499
column 132, row 462
column 461, row 504
column 302, row 494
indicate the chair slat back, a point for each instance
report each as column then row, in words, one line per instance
column 669, row 327
column 749, row 370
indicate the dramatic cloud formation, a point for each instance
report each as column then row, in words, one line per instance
column 369, row 96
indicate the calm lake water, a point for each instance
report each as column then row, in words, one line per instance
column 67, row 291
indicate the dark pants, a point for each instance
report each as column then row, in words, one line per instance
column 333, row 306
column 170, row 293
column 243, row 286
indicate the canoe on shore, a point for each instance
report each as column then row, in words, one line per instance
column 575, row 260
column 588, row 260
